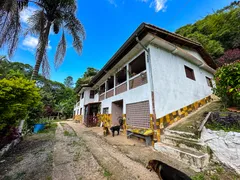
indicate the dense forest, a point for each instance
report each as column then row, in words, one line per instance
column 219, row 33
column 56, row 98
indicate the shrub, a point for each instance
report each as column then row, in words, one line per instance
column 17, row 96
column 227, row 80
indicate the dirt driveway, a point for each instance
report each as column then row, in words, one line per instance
column 73, row 152
column 30, row 159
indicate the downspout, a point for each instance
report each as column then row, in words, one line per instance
column 151, row 83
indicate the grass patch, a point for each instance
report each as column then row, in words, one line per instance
column 49, row 128
column 216, row 173
column 194, row 120
column 226, row 121
column 106, row 173
column 66, row 133
column 199, row 176
column 217, row 126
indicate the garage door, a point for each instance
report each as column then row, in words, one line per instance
column 138, row 114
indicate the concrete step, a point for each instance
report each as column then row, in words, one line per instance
column 183, row 142
column 179, row 134
column 195, row 160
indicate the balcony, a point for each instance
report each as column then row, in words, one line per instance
column 110, row 93
column 121, row 88
column 138, row 80
column 130, row 76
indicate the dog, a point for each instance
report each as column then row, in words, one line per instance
column 115, row 128
column 165, row 171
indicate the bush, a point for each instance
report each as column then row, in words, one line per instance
column 17, row 96
column 227, row 80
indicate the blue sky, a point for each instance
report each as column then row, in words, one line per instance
column 108, row 24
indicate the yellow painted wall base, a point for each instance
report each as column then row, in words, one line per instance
column 181, row 113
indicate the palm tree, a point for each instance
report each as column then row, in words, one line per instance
column 60, row 15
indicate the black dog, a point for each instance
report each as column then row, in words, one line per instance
column 166, row 172
column 115, row 128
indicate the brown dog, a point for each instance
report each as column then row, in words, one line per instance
column 165, row 171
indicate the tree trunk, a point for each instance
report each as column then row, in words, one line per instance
column 41, row 50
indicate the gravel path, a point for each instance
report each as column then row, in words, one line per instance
column 71, row 158
column 30, row 159
column 112, row 159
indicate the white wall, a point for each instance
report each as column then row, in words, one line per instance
column 138, row 94
column 173, row 90
column 194, row 53
column 87, row 98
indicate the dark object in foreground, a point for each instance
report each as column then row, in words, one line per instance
column 115, row 128
column 165, row 171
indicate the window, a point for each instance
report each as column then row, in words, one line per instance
column 110, row 83
column 82, row 95
column 189, row 73
column 209, row 82
column 121, row 76
column 102, row 89
column 105, row 110
column 92, row 93
column 81, row 111
column 137, row 65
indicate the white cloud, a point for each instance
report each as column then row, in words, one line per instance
column 159, row 5
column 30, row 43
column 26, row 13
column 113, row 2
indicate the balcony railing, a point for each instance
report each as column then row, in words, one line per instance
column 121, row 88
column 110, row 93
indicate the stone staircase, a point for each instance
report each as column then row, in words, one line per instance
column 185, row 147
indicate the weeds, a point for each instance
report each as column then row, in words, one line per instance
column 106, row 173
column 199, row 176
column 66, row 133
column 19, row 158
column 50, row 128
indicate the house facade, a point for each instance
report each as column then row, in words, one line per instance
column 153, row 80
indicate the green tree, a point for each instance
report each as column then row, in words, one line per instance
column 52, row 93
column 68, row 82
column 227, row 80
column 17, row 96
column 87, row 76
column 217, row 32
column 212, row 46
column 60, row 15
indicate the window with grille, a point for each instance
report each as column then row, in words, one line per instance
column 105, row 110
column 92, row 92
column 209, row 82
column 102, row 89
column 189, row 73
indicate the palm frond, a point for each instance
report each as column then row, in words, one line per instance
column 41, row 51
column 75, row 28
column 10, row 26
column 61, row 51
column 37, row 23
column 45, row 66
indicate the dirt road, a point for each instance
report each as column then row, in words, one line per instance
column 73, row 152
column 86, row 156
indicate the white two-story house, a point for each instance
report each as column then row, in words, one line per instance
column 155, row 78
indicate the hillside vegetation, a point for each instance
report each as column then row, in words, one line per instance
column 219, row 33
